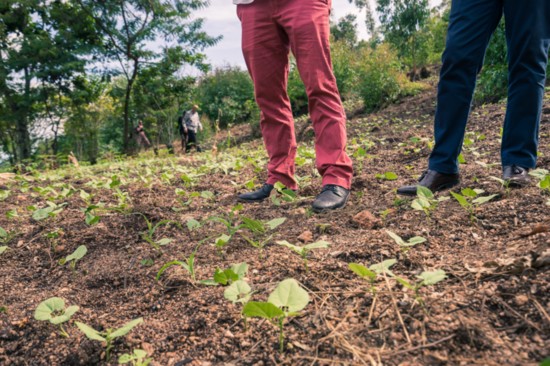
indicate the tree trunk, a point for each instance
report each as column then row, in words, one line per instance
column 129, row 85
column 22, row 136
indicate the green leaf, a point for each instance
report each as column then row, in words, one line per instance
column 255, row 226
column 295, row 248
column 266, row 310
column 78, row 254
column 166, row 266
column 125, row 358
column 193, row 224
column 468, row 192
column 91, row 219
column 461, row 200
column 3, row 249
column 3, row 233
column 422, row 191
column 415, row 240
column 125, row 329
column 431, row 278
column 42, row 213
column 482, row 200
column 289, row 296
column 275, row 223
column 225, row 277
column 383, row 266
column 164, row 241
column 46, row 309
column 362, row 271
column 207, row 195
column 240, row 269
column 238, row 292
column 90, row 332
column 321, row 244
column 395, row 238
column 222, row 240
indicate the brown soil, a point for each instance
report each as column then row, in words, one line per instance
column 493, row 309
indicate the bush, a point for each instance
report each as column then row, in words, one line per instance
column 379, row 77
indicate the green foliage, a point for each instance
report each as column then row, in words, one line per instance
column 137, row 358
column 226, row 96
column 108, row 336
column 287, row 300
column 228, row 276
column 425, row 201
column 469, row 199
column 5, row 237
column 387, row 176
column 426, row 278
column 371, row 273
column 53, row 310
column 405, row 246
column 51, row 210
column 77, row 255
column 304, row 251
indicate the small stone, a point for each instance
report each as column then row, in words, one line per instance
column 366, row 220
column 521, row 300
column 59, row 248
column 306, row 237
column 147, row 347
column 228, row 334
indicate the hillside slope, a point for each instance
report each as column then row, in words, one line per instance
column 492, row 309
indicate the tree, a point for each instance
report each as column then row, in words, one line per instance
column 345, row 30
column 129, row 27
column 41, row 44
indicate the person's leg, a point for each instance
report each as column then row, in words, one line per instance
column 471, row 24
column 528, row 39
column 307, row 24
column 265, row 49
column 191, row 141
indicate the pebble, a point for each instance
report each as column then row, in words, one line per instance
column 306, row 237
column 366, row 220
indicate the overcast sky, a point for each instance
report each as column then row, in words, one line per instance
column 221, row 19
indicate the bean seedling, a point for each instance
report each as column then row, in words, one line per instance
column 188, row 264
column 424, row 201
column 304, row 251
column 109, row 335
column 53, row 310
column 136, row 358
column 287, row 300
column 77, row 255
column 228, row 276
column 425, row 279
column 239, row 292
column 405, row 246
column 281, row 192
column 469, row 199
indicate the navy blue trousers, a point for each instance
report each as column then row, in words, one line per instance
column 471, row 25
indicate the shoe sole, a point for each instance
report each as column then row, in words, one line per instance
column 517, row 183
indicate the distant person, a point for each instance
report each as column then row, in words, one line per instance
column 193, row 125
column 142, row 139
column 471, row 24
column 183, row 131
column 270, row 29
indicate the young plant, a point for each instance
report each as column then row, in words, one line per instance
column 281, row 193
column 239, row 292
column 469, row 199
column 503, row 183
column 543, row 177
column 6, row 237
column 108, row 336
column 259, row 228
column 151, row 229
column 53, row 310
column 77, row 255
column 51, row 210
column 425, row 279
column 227, row 276
column 304, row 250
column 89, row 211
column 387, row 176
column 287, row 300
column 188, row 264
column 405, row 246
column 136, row 358
column 425, row 201
column 371, row 273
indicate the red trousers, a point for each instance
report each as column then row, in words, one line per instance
column 270, row 29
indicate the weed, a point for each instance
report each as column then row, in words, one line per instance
column 53, row 310
column 259, row 228
column 109, row 335
column 151, row 229
column 304, row 251
column 188, row 264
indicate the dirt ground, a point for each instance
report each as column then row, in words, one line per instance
column 493, row 308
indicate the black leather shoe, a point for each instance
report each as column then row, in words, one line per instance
column 330, row 198
column 257, row 196
column 515, row 176
column 432, row 180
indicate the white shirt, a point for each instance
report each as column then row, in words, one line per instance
column 242, row 1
